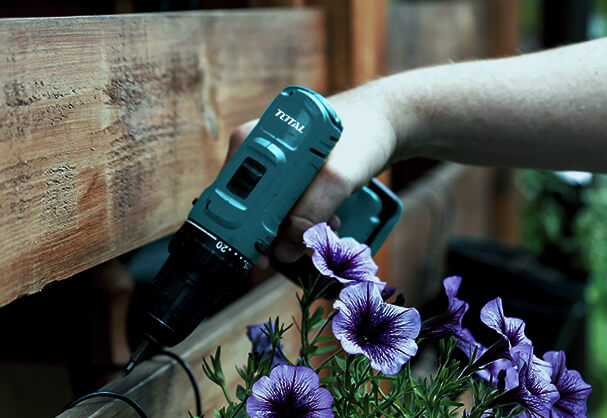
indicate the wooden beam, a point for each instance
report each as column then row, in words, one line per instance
column 434, row 32
column 452, row 199
column 162, row 388
column 110, row 126
column 504, row 27
column 356, row 31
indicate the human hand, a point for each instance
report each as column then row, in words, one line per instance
column 364, row 149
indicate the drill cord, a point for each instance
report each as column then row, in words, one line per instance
column 190, row 374
column 124, row 398
column 134, row 404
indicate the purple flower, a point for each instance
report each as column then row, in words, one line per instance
column 535, row 393
column 344, row 259
column 387, row 293
column 382, row 332
column 493, row 316
column 262, row 344
column 497, row 357
column 513, row 329
column 289, row 391
column 572, row 388
column 468, row 344
column 510, row 371
column 450, row 322
column 509, row 374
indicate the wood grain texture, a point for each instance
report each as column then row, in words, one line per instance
column 504, row 27
column 435, row 32
column 356, row 31
column 452, row 199
column 162, row 388
column 110, row 126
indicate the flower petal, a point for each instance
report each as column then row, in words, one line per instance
column 382, row 332
column 345, row 259
column 262, row 345
column 572, row 388
column 493, row 316
column 289, row 391
column 448, row 323
column 535, row 393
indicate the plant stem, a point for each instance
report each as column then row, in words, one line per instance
column 235, row 414
column 347, row 382
column 324, row 325
column 225, row 392
column 331, row 357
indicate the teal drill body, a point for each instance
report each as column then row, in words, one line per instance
column 258, row 186
column 237, row 217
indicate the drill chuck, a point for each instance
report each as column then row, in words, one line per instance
column 201, row 275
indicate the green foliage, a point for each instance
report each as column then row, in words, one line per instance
column 600, row 7
column 583, row 236
column 531, row 18
column 545, row 221
column 357, row 389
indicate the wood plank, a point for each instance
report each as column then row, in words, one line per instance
column 452, row 199
column 356, row 31
column 368, row 45
column 111, row 125
column 161, row 387
column 434, row 32
column 504, row 27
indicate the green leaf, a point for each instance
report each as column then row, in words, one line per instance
column 323, row 349
column 328, row 380
column 241, row 414
column 241, row 372
column 316, row 320
column 241, row 393
column 324, row 338
column 341, row 363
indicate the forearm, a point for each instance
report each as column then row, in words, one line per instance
column 542, row 110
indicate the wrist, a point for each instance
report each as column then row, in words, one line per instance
column 404, row 106
column 368, row 142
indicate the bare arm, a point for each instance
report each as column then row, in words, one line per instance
column 542, row 110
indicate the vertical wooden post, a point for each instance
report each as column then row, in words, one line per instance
column 504, row 27
column 504, row 40
column 356, row 32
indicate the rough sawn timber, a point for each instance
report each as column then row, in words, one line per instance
column 110, row 126
column 160, row 385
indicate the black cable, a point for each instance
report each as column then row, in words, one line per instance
column 134, row 404
column 190, row 374
column 124, row 398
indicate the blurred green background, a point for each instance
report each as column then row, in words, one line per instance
column 567, row 214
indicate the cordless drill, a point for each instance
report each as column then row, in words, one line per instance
column 236, row 219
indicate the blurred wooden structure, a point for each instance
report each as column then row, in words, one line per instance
column 111, row 125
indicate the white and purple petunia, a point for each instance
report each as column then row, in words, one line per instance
column 535, row 393
column 468, row 344
column 572, row 388
column 262, row 345
column 493, row 316
column 448, row 323
column 513, row 329
column 343, row 259
column 382, row 332
column 289, row 391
